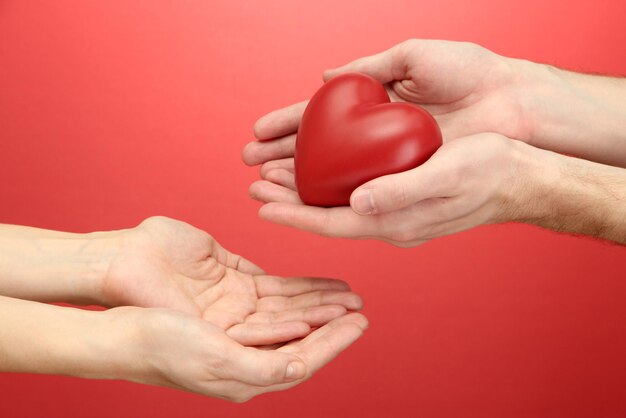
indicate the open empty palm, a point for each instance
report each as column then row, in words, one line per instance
column 167, row 263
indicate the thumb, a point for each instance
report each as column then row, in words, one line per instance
column 264, row 367
column 386, row 66
column 398, row 191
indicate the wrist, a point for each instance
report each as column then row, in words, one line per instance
column 138, row 351
column 51, row 266
column 535, row 179
column 104, row 345
column 99, row 347
column 77, row 266
column 120, row 345
column 93, row 257
column 69, row 341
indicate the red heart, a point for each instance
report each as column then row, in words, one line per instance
column 350, row 133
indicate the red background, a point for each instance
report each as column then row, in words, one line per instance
column 112, row 111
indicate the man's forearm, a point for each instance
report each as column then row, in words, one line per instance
column 40, row 338
column 50, row 266
column 570, row 195
column 576, row 114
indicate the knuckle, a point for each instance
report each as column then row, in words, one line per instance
column 453, row 179
column 287, row 146
column 406, row 50
column 219, row 364
column 401, row 194
column 326, row 229
column 236, row 261
column 269, row 375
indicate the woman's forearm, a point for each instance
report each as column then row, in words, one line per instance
column 40, row 338
column 51, row 266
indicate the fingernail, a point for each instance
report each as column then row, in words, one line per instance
column 295, row 370
column 363, row 202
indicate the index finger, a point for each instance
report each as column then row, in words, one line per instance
column 337, row 222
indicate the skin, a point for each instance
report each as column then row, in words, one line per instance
column 479, row 175
column 218, row 308
column 161, row 347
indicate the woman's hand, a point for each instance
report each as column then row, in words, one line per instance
column 183, row 352
column 160, row 347
column 170, row 264
column 480, row 179
column 164, row 263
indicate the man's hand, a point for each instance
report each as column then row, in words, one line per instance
column 471, row 90
column 464, row 184
column 480, row 179
column 168, row 263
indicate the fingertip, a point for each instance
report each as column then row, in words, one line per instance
column 270, row 174
column 269, row 210
column 265, row 168
column 259, row 128
column 328, row 74
column 265, row 212
column 359, row 320
column 253, row 189
column 362, row 202
column 296, row 329
column 295, row 370
column 355, row 303
column 342, row 284
column 365, row 323
column 247, row 154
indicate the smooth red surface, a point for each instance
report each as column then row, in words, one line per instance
column 350, row 133
column 111, row 111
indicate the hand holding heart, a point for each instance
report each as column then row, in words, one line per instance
column 466, row 183
column 468, row 90
column 479, row 99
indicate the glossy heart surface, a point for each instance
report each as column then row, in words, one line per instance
column 351, row 133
